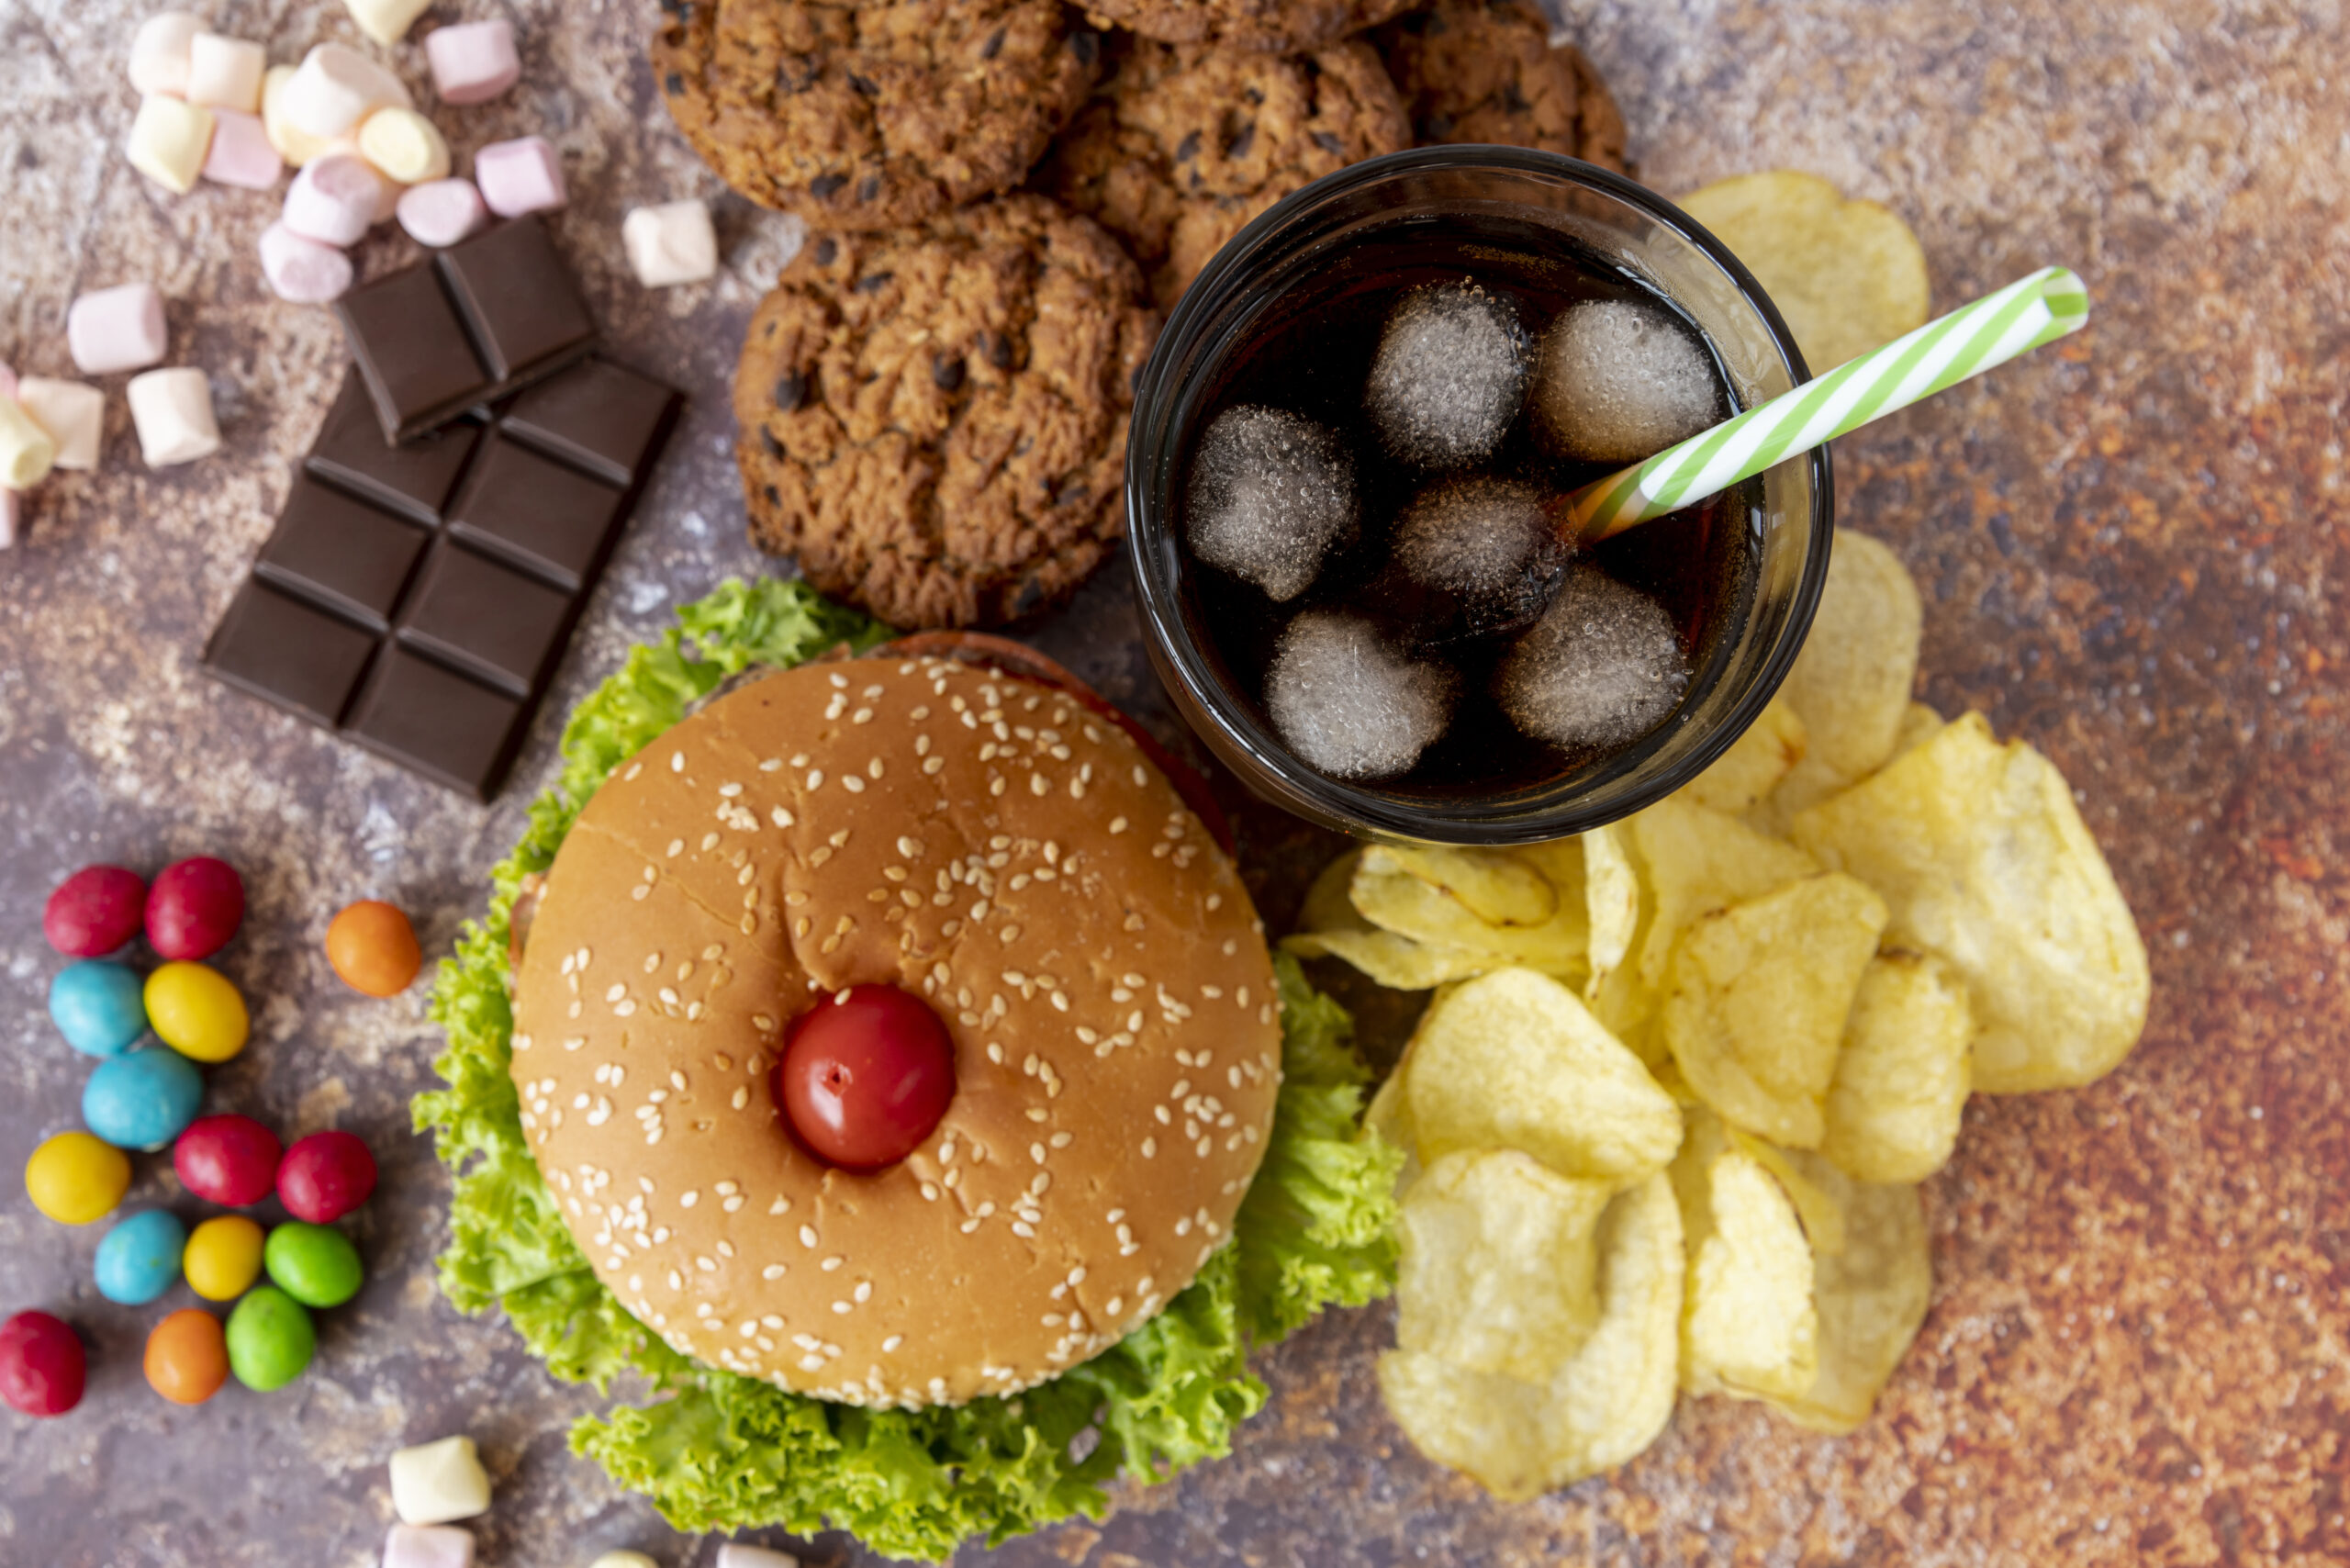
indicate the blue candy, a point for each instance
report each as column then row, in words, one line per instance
column 99, row 1007
column 139, row 1258
column 144, row 1100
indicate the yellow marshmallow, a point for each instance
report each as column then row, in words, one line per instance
column 404, row 146
column 387, row 20
column 26, row 451
column 293, row 144
column 168, row 141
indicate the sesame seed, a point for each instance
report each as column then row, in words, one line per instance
column 677, row 762
column 816, row 779
column 807, row 1236
column 842, row 1307
column 676, row 847
column 890, row 1345
column 852, row 783
column 772, row 1272
column 1151, row 1149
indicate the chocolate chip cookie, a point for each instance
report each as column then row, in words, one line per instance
column 934, row 419
column 1183, row 144
column 1278, row 26
column 873, row 114
column 1485, row 70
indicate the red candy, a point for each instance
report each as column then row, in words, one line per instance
column 325, row 1176
column 42, row 1364
column 230, row 1161
column 194, row 907
column 864, row 1079
column 94, row 912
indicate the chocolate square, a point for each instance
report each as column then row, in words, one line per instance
column 288, row 653
column 342, row 554
column 438, row 722
column 419, row 363
column 414, row 478
column 522, row 303
column 545, row 517
column 602, row 418
column 487, row 619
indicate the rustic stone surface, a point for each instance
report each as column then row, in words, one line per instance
column 2132, row 555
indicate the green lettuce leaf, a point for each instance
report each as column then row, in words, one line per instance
column 718, row 1451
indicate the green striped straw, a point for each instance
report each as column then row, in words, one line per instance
column 2020, row 317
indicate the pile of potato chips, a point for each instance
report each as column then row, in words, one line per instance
column 1669, row 1106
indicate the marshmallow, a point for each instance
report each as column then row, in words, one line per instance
column 435, row 1482
column 387, row 21
column 173, row 411
column 158, row 53
column 8, row 382
column 519, row 176
column 293, row 144
column 473, row 63
column 117, row 328
column 12, row 508
column 671, row 243
column 442, row 212
column 404, row 146
column 623, row 1559
column 334, row 88
column 168, row 141
column 735, row 1554
column 27, row 451
column 334, row 199
column 242, row 154
column 74, row 415
column 224, row 73
column 442, row 1547
column 302, row 271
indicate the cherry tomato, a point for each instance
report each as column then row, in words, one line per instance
column 372, row 948
column 187, row 1357
column 42, row 1364
column 865, row 1078
column 325, row 1176
column 194, row 908
column 95, row 911
column 231, row 1160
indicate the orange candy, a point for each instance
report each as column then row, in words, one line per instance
column 187, row 1357
column 372, row 948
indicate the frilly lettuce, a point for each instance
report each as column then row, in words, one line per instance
column 715, row 1450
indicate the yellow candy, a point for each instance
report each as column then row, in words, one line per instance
column 74, row 1178
column 168, row 141
column 194, row 1010
column 223, row 1257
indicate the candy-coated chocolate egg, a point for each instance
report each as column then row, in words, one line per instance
column 100, row 1008
column 139, row 1260
column 194, row 1010
column 270, row 1340
column 193, row 907
column 144, row 1100
column 76, row 1177
column 187, row 1357
column 223, row 1257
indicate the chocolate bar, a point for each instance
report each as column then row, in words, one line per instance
column 467, row 326
column 416, row 598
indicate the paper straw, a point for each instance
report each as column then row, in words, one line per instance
column 2020, row 317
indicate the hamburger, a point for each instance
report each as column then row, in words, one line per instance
column 883, row 1058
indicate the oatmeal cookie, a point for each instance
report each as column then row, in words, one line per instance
column 1485, row 70
column 875, row 114
column 934, row 419
column 1278, row 26
column 1183, row 145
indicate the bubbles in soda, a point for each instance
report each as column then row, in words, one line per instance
column 1621, row 381
column 1483, row 546
column 1449, row 375
column 1349, row 704
column 1270, row 493
column 1598, row 671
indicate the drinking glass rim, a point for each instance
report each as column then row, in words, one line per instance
column 1367, row 811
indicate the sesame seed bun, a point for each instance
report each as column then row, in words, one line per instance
column 986, row 843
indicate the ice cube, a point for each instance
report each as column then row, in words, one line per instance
column 1484, row 545
column 1449, row 375
column 1348, row 704
column 1600, row 669
column 1270, row 493
column 1621, row 381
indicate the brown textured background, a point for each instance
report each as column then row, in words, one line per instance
column 2131, row 552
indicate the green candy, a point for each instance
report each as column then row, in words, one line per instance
column 315, row 1264
column 270, row 1340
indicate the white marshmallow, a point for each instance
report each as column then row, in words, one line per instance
column 26, row 451
column 671, row 243
column 158, row 53
column 12, row 509
column 293, row 144
column 335, row 87
column 443, row 1547
column 224, row 73
column 735, row 1554
column 334, row 199
column 173, row 411
column 169, row 140
column 404, row 146
column 623, row 1559
column 442, row 212
column 302, row 271
column 435, row 1482
column 74, row 415
column 115, row 329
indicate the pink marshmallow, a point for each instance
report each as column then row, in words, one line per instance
column 334, row 199
column 117, row 328
column 519, row 176
column 302, row 270
column 242, row 154
column 428, row 1546
column 7, row 383
column 473, row 63
column 442, row 212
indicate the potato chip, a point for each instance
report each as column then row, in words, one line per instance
column 1385, row 1116
column 1757, row 1000
column 1697, row 860
column 1611, row 900
column 1748, row 1326
column 1744, row 776
column 1513, row 1060
column 1397, row 962
column 1869, row 1299
column 1495, row 885
column 1919, row 724
column 1823, row 1221
column 1852, row 681
column 1983, row 861
column 1327, row 907
column 1848, row 275
column 1903, row 1075
column 1520, row 1437
column 1388, row 892
column 1499, row 1263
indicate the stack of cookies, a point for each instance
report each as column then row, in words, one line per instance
column 1004, row 195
